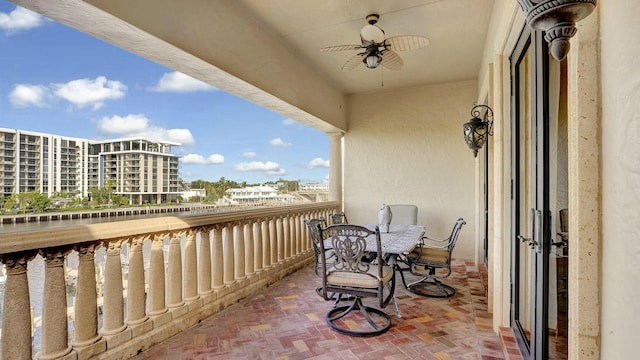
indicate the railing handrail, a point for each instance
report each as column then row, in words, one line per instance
column 75, row 234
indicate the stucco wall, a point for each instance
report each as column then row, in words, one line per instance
column 429, row 164
column 621, row 178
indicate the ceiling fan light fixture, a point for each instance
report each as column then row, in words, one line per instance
column 372, row 61
column 371, row 34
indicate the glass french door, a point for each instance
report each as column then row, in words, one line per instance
column 530, row 211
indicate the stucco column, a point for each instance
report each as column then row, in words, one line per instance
column 16, row 316
column 136, row 306
column 113, row 308
column 157, row 304
column 190, row 268
column 335, row 166
column 257, row 245
column 585, row 198
column 249, row 265
column 85, row 328
column 227, row 251
column 174, row 273
column 217, row 259
column 204, row 263
column 55, row 333
column 238, row 251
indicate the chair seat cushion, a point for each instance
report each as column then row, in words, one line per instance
column 429, row 256
column 362, row 280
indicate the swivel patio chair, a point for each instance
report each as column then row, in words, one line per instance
column 430, row 256
column 314, row 235
column 338, row 218
column 350, row 276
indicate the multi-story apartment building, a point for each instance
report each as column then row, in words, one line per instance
column 143, row 170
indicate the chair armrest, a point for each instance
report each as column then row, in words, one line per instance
column 422, row 243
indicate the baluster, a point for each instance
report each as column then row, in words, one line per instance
column 295, row 234
column 238, row 251
column 87, row 341
column 217, row 261
column 249, row 265
column 113, row 326
column 287, row 236
column 16, row 315
column 204, row 277
column 191, row 268
column 137, row 318
column 55, row 326
column 227, row 250
column 266, row 243
column 174, row 300
column 257, row 245
column 273, row 240
column 280, row 238
column 298, row 234
column 157, row 306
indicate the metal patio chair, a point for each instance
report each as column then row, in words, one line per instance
column 351, row 276
column 338, row 218
column 426, row 259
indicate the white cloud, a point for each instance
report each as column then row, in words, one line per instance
column 20, row 19
column 249, row 154
column 85, row 92
column 179, row 82
column 269, row 168
column 287, row 122
column 279, row 142
column 199, row 159
column 317, row 162
column 24, row 95
column 140, row 126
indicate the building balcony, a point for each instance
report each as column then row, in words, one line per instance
column 239, row 275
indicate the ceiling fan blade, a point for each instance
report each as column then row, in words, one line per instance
column 342, row 48
column 407, row 42
column 391, row 60
column 354, row 61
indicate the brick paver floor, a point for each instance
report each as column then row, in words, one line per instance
column 287, row 321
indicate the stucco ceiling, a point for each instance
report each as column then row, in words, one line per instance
column 244, row 36
column 268, row 51
column 456, row 30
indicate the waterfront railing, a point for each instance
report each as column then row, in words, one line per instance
column 158, row 276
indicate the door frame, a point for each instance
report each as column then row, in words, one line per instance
column 537, row 347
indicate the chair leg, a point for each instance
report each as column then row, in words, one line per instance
column 378, row 327
column 431, row 288
column 427, row 286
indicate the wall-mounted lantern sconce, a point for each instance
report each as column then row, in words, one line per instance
column 557, row 18
column 477, row 130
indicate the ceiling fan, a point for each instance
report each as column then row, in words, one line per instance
column 375, row 49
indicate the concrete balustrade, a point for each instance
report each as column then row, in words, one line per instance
column 213, row 261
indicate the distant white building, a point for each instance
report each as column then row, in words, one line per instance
column 253, row 195
column 188, row 195
column 314, row 187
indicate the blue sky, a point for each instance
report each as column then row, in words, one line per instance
column 55, row 79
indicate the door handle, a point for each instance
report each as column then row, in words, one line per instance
column 532, row 243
